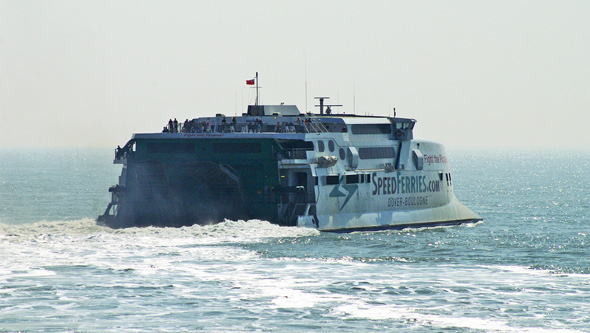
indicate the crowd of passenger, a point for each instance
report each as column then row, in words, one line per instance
column 254, row 126
column 189, row 126
column 289, row 127
column 232, row 126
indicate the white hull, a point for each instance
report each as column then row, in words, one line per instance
column 452, row 213
column 416, row 190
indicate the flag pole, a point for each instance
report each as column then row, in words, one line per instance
column 256, row 88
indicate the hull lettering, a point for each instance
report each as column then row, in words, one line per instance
column 403, row 185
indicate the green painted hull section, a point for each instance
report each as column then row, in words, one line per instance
column 188, row 181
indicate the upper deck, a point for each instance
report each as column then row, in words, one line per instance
column 282, row 121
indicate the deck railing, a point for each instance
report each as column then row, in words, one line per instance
column 310, row 126
column 315, row 127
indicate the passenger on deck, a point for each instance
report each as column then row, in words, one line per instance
column 259, row 125
column 223, row 124
column 121, row 152
column 175, row 126
column 170, row 126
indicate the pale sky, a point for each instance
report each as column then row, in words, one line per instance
column 473, row 73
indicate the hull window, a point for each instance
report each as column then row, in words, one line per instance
column 332, row 180
column 321, row 146
column 170, row 147
column 237, row 147
column 352, row 179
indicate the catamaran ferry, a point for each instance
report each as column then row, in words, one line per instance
column 333, row 172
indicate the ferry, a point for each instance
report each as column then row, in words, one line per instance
column 333, row 172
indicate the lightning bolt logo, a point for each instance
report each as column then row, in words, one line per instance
column 336, row 192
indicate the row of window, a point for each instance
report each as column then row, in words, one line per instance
column 370, row 129
column 170, row 147
column 218, row 147
column 237, row 147
column 365, row 153
column 349, row 179
column 370, row 153
column 322, row 146
column 359, row 128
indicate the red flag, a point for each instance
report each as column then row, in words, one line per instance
column 250, row 82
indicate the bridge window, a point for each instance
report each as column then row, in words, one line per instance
column 336, row 128
column 371, row 128
column 370, row 153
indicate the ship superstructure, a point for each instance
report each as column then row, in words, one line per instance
column 333, row 172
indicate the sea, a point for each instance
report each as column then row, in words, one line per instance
column 525, row 268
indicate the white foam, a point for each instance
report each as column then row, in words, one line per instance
column 220, row 257
column 362, row 310
column 80, row 242
column 536, row 272
column 227, row 231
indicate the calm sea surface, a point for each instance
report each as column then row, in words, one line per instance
column 526, row 268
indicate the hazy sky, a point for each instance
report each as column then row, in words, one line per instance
column 473, row 73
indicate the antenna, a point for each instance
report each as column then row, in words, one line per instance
column 305, row 59
column 353, row 97
column 328, row 107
